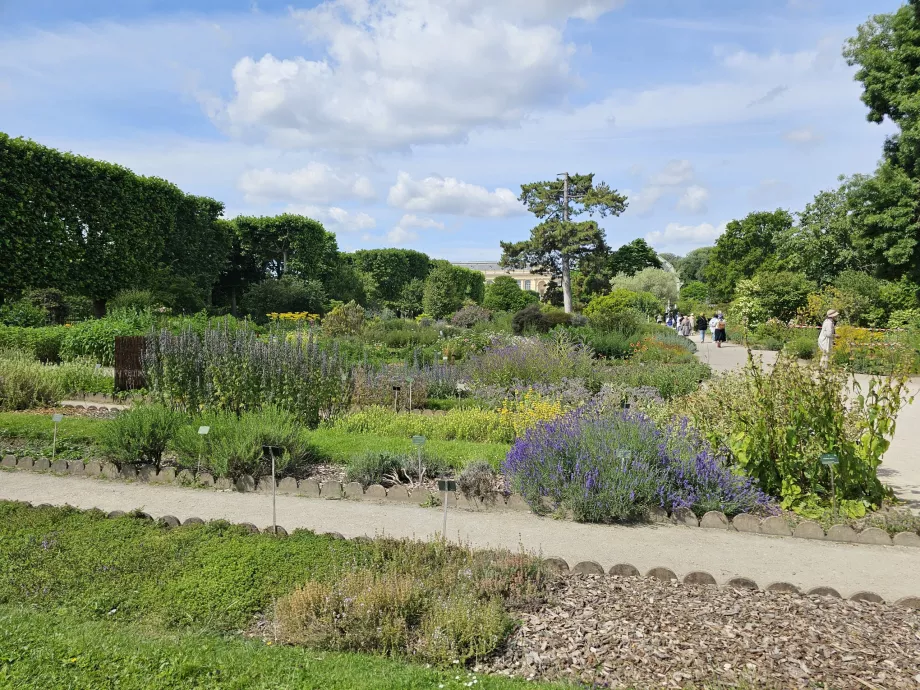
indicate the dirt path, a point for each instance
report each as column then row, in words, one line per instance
column 890, row 571
column 901, row 465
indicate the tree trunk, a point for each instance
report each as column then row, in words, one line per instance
column 566, row 285
column 99, row 308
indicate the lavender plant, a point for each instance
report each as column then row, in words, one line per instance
column 237, row 371
column 608, row 466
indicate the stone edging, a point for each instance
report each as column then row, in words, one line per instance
column 561, row 567
column 310, row 488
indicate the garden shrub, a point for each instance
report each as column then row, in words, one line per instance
column 374, row 468
column 803, row 346
column 670, row 380
column 470, row 315
column 607, row 466
column 234, row 446
column 405, row 337
column 133, row 300
column 862, row 351
column 777, row 424
column 533, row 361
column 651, row 349
column 504, row 294
column 618, row 310
column 530, row 319
column 22, row 313
column 141, row 435
column 236, row 371
column 26, row 383
column 344, row 319
column 570, row 393
column 477, row 480
column 285, row 294
column 43, row 344
column 96, row 339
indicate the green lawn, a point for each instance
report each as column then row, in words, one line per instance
column 45, row 650
column 77, row 435
column 92, row 602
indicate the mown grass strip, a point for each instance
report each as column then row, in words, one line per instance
column 42, row 650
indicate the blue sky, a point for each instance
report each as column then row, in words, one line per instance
column 413, row 123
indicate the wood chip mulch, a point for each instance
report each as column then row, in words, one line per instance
column 624, row 632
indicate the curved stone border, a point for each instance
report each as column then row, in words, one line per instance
column 310, row 488
column 560, row 566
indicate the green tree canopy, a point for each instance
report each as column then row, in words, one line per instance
column 693, row 265
column 391, row 270
column 504, row 294
column 632, row 258
column 663, row 284
column 558, row 243
column 442, row 296
column 745, row 247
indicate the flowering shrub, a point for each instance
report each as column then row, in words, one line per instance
column 531, row 408
column 530, row 361
column 777, row 424
column 650, row 349
column 236, row 371
column 868, row 352
column 344, row 319
column 607, row 466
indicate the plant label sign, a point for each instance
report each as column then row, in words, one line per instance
column 447, row 485
column 830, row 459
column 203, row 430
column 418, row 440
column 57, row 418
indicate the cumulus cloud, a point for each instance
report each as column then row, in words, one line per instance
column 449, row 195
column 405, row 230
column 315, row 183
column 398, row 73
column 336, row 219
column 679, row 238
column 674, row 179
column 694, row 199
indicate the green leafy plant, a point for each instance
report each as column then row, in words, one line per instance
column 142, row 434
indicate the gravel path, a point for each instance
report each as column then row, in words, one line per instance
column 639, row 632
column 890, row 571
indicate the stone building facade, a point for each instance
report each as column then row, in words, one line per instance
column 526, row 279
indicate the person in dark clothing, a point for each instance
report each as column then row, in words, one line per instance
column 720, row 331
column 702, row 323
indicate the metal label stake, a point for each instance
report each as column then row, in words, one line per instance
column 271, row 453
column 202, row 431
column 56, row 418
column 830, row 460
column 444, row 486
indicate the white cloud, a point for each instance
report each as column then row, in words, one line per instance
column 336, row 219
column 316, row 183
column 398, row 73
column 449, row 195
column 667, row 182
column 802, row 137
column 679, row 238
column 694, row 199
column 405, row 230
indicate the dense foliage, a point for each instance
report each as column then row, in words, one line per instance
column 608, row 465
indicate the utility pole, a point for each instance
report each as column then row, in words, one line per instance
column 566, row 277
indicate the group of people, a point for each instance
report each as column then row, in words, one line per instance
column 685, row 325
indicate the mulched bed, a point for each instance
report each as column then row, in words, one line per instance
column 618, row 632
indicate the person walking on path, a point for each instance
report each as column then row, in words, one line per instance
column 826, row 337
column 718, row 333
column 702, row 323
column 713, row 322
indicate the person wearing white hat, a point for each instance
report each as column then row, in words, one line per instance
column 826, row 337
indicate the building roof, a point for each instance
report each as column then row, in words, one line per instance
column 491, row 266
